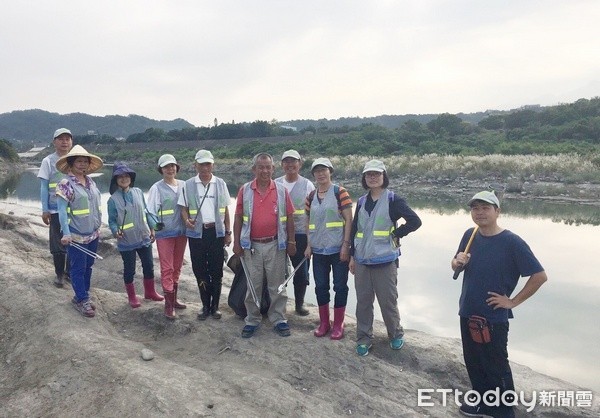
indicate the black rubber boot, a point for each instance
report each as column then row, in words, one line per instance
column 299, row 292
column 59, row 268
column 216, row 296
column 205, row 298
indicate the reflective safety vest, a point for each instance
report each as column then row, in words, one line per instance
column 55, row 178
column 132, row 219
column 248, row 205
column 194, row 200
column 373, row 243
column 83, row 210
column 169, row 212
column 326, row 224
column 298, row 196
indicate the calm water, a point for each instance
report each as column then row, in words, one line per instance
column 555, row 332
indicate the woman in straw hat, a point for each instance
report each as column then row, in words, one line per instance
column 134, row 230
column 375, row 252
column 170, row 229
column 80, row 219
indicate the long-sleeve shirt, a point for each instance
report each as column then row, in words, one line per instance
column 398, row 209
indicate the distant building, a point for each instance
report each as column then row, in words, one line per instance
column 293, row 128
column 31, row 153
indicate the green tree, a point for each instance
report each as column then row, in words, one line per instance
column 446, row 124
column 492, row 122
column 8, row 152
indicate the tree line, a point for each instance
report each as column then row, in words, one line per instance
column 565, row 128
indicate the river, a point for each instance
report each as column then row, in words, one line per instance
column 555, row 332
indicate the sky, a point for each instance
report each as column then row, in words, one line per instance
column 268, row 60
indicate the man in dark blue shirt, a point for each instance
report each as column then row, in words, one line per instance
column 492, row 267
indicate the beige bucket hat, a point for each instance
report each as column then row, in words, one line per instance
column 78, row 151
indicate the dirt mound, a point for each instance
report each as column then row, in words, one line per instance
column 55, row 362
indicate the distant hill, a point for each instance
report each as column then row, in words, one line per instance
column 37, row 125
column 387, row 121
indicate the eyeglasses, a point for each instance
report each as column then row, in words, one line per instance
column 373, row 173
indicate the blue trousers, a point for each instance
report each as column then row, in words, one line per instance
column 81, row 269
column 322, row 266
column 145, row 254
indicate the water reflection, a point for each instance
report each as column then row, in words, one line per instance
column 27, row 187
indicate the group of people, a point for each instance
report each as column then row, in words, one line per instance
column 276, row 219
column 176, row 212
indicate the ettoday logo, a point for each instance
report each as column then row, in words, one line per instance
column 495, row 398
column 491, row 398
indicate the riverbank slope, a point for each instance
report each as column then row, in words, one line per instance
column 54, row 362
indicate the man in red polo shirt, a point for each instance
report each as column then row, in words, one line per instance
column 263, row 232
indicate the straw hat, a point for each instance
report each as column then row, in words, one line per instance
column 78, row 151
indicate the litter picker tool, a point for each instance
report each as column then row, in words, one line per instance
column 284, row 284
column 250, row 286
column 86, row 251
column 123, row 222
column 467, row 248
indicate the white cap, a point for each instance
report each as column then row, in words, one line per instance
column 321, row 161
column 291, row 153
column 204, row 156
column 485, row 196
column 374, row 165
column 61, row 131
column 166, row 159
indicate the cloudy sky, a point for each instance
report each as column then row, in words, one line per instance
column 250, row 60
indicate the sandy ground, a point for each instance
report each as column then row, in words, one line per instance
column 55, row 362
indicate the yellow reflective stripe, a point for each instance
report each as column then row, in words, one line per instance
column 283, row 218
column 359, row 235
column 299, row 212
column 221, row 210
column 245, row 218
column 127, row 226
column 166, row 212
column 311, row 226
column 52, row 185
column 334, row 224
column 80, row 212
column 381, row 233
column 193, row 211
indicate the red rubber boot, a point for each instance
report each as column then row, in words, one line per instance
column 337, row 333
column 133, row 300
column 324, row 325
column 149, row 292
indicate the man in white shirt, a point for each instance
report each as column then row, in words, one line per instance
column 204, row 209
column 49, row 177
column 298, row 187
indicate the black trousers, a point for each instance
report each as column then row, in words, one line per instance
column 58, row 251
column 301, row 276
column 207, row 255
column 487, row 364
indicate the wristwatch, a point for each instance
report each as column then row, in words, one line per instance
column 227, row 232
